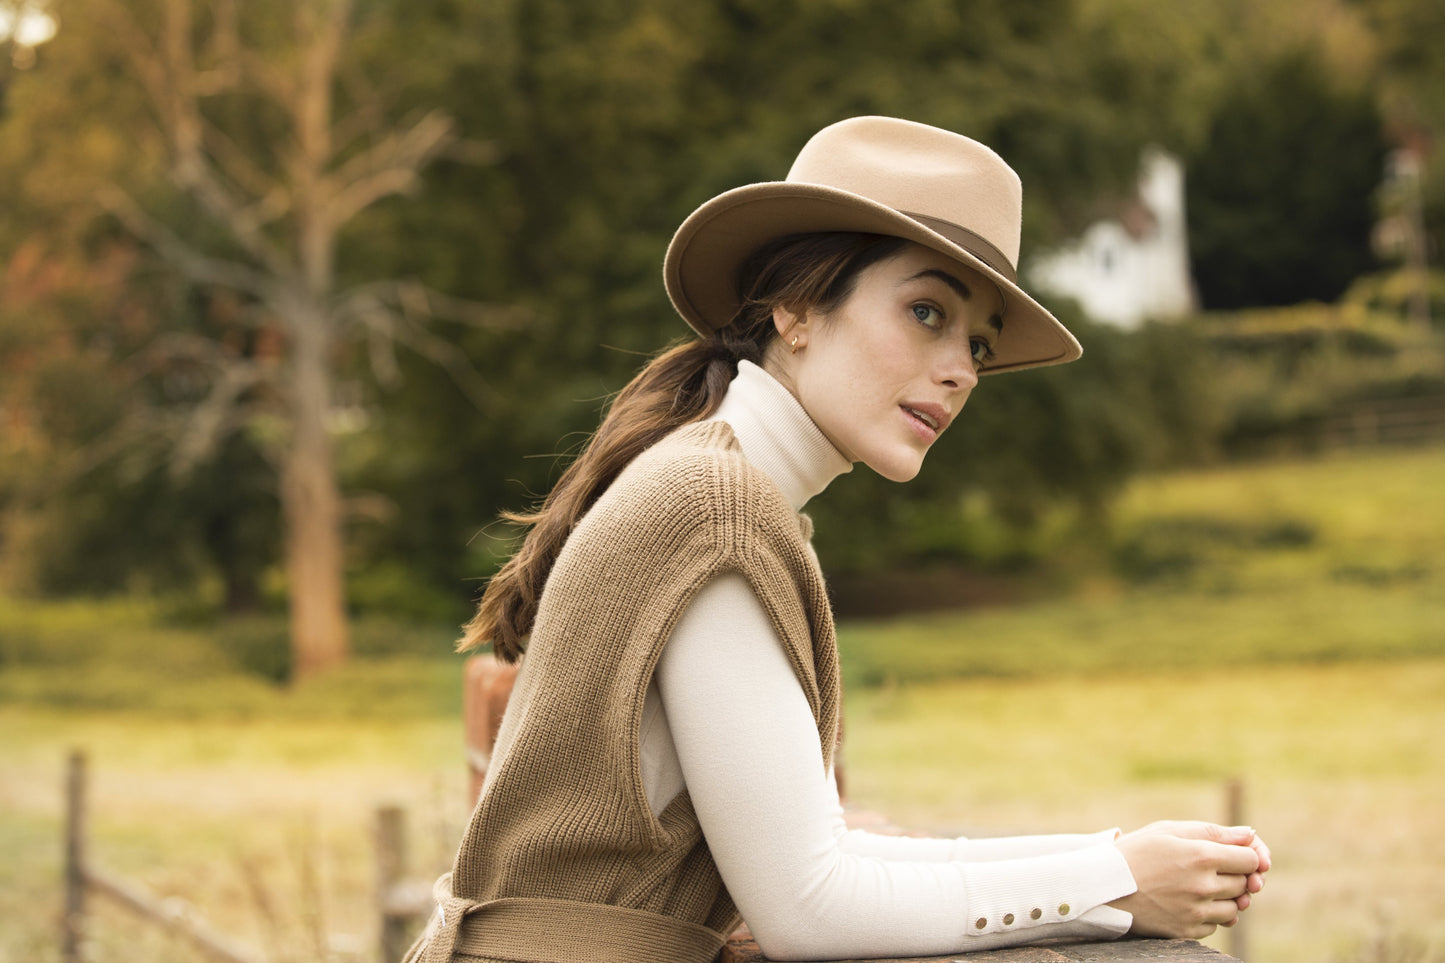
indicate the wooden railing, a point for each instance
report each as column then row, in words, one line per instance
column 1118, row 951
column 83, row 878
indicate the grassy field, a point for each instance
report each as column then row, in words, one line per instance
column 1283, row 624
column 1343, row 769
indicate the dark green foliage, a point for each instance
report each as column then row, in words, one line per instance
column 133, row 525
column 1303, row 378
column 1281, row 193
column 1175, row 547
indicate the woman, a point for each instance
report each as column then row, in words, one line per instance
column 666, row 758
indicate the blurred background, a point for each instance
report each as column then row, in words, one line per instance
column 296, row 297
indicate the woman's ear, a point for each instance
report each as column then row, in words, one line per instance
column 792, row 328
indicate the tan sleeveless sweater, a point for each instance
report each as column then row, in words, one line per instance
column 563, row 858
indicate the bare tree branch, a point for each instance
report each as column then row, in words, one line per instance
column 478, row 153
column 367, row 115
column 184, row 127
column 390, row 166
column 454, row 361
column 272, row 199
column 379, row 325
column 491, row 317
column 195, row 172
column 124, row 437
column 420, row 299
column 219, row 414
column 197, row 266
column 197, row 430
column 178, row 346
column 396, row 312
column 142, row 53
column 223, row 49
column 273, row 82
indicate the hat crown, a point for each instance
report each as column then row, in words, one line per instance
column 919, row 171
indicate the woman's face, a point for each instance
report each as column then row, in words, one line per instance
column 884, row 372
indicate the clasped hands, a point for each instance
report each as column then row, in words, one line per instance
column 1191, row 877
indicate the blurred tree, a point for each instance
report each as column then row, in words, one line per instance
column 1280, row 194
column 254, row 135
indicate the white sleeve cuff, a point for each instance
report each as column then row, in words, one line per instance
column 1017, row 895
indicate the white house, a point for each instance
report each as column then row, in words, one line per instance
column 1135, row 268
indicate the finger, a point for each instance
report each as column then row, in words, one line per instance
column 1228, row 835
column 1254, row 882
column 1265, row 860
column 1239, row 860
column 1242, row 902
column 1221, row 912
column 1230, row 887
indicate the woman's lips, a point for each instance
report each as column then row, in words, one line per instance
column 928, row 420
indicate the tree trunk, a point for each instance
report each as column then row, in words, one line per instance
column 320, row 638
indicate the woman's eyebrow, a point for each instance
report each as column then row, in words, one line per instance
column 958, row 286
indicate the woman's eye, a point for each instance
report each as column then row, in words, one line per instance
column 979, row 348
column 927, row 315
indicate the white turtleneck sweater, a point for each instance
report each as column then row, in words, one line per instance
column 725, row 717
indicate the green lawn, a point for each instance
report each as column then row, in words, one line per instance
column 1281, row 623
column 1331, row 560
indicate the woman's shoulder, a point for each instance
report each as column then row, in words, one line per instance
column 704, row 460
column 697, row 476
column 699, row 446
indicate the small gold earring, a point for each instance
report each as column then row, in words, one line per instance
column 795, row 344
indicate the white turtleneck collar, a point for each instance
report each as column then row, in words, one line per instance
column 778, row 436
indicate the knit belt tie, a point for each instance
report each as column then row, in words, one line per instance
column 559, row 931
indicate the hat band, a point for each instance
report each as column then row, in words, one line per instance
column 974, row 244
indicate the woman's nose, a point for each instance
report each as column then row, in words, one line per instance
column 957, row 370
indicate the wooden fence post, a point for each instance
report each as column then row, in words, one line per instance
column 397, row 918
column 1238, row 933
column 72, row 922
column 486, row 686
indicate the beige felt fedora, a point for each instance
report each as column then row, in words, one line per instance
column 879, row 175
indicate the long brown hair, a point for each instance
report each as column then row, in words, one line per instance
column 683, row 384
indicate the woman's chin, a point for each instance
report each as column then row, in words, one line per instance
column 898, row 470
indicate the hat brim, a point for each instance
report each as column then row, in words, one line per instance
column 709, row 249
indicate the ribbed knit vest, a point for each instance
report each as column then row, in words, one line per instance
column 563, row 822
